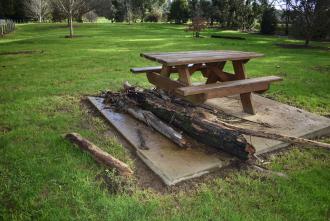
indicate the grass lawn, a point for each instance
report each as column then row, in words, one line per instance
column 42, row 177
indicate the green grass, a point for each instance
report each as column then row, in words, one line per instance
column 42, row 177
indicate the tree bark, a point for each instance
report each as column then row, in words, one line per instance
column 71, row 26
column 99, row 155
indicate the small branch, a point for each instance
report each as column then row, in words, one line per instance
column 269, row 172
column 284, row 138
column 99, row 155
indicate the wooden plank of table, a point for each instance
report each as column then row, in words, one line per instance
column 184, row 74
column 163, row 82
column 169, row 85
column 166, row 70
column 192, row 68
column 229, row 87
column 214, row 72
column 194, row 57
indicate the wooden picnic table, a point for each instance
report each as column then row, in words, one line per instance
column 211, row 64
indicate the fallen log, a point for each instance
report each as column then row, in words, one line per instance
column 99, row 155
column 187, row 118
column 272, row 136
column 151, row 120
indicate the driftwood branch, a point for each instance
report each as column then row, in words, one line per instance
column 99, row 155
column 284, row 138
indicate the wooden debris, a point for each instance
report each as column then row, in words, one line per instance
column 196, row 121
column 184, row 116
column 151, row 120
column 99, row 155
column 272, row 136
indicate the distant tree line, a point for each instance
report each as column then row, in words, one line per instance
column 309, row 19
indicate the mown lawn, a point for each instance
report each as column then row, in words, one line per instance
column 42, row 177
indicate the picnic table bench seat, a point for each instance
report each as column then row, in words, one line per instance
column 259, row 84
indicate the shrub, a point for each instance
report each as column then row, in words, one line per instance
column 91, row 16
column 153, row 16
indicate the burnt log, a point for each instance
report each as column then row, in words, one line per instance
column 189, row 119
column 201, row 122
column 151, row 120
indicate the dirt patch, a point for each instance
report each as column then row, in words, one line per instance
column 301, row 46
column 21, row 52
column 4, row 130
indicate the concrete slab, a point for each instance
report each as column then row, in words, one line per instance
column 281, row 118
column 172, row 163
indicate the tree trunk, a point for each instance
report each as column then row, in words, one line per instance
column 307, row 41
column 71, row 26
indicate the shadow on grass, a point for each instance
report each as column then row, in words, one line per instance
column 301, row 46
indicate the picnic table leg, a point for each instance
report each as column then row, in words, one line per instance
column 195, row 68
column 165, row 71
column 214, row 72
column 184, row 74
column 246, row 98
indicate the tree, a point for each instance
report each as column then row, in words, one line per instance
column 108, row 9
column 91, row 16
column 37, row 9
column 12, row 9
column 268, row 21
column 198, row 24
column 56, row 13
column 310, row 17
column 220, row 12
column 74, row 8
column 179, row 11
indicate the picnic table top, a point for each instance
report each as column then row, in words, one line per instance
column 196, row 57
